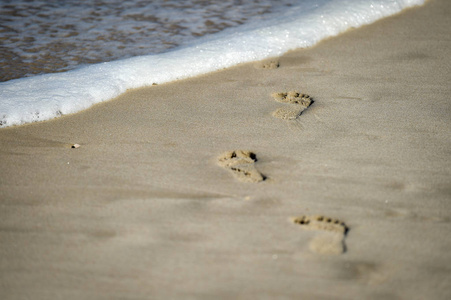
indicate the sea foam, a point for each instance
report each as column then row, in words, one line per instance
column 44, row 97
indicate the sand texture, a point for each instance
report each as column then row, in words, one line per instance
column 192, row 189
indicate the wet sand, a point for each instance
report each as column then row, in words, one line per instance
column 198, row 189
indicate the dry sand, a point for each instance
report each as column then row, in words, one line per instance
column 146, row 207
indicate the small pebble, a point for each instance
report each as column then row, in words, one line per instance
column 75, row 146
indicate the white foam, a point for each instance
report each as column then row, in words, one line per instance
column 48, row 96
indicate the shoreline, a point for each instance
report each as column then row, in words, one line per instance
column 158, row 202
column 53, row 95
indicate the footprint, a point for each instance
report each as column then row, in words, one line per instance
column 242, row 165
column 296, row 104
column 291, row 112
column 334, row 231
column 268, row 64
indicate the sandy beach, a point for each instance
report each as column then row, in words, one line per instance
column 203, row 189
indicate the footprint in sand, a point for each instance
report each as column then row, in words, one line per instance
column 296, row 104
column 267, row 64
column 242, row 165
column 331, row 240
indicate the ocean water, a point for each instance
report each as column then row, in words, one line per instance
column 43, row 36
column 69, row 55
